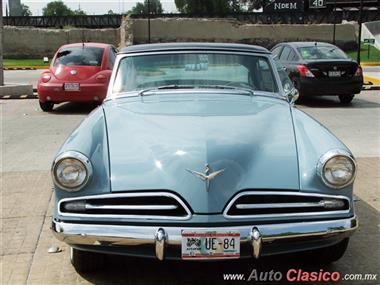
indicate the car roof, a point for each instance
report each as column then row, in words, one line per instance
column 307, row 44
column 193, row 46
column 90, row 44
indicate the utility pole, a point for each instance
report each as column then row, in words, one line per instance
column 334, row 31
column 360, row 30
column 1, row 44
column 148, row 21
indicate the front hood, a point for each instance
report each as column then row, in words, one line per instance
column 153, row 140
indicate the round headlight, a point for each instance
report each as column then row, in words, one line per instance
column 337, row 169
column 71, row 171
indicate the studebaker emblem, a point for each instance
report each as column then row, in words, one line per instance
column 207, row 176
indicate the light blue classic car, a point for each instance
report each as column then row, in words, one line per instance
column 198, row 152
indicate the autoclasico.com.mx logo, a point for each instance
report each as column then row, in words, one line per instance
column 299, row 275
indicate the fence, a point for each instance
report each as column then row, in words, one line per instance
column 114, row 21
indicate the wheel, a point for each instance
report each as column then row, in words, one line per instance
column 328, row 254
column 86, row 261
column 46, row 106
column 345, row 99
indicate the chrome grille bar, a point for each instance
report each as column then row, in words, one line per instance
column 279, row 205
column 130, row 207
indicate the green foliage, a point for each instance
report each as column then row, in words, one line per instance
column 25, row 11
column 24, row 62
column 110, row 12
column 210, row 7
column 154, row 6
column 57, row 8
column 79, row 12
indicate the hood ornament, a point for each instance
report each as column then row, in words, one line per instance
column 207, row 176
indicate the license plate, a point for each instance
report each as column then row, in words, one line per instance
column 335, row 73
column 71, row 86
column 210, row 245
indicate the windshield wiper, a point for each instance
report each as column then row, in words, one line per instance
column 218, row 86
column 172, row 86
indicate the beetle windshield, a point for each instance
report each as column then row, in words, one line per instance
column 88, row 56
column 136, row 73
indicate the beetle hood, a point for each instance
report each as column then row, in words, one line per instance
column 156, row 141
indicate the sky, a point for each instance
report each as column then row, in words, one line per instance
column 92, row 7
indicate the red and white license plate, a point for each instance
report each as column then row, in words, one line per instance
column 210, row 245
column 71, row 86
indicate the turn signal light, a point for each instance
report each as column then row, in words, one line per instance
column 45, row 77
column 359, row 71
column 304, row 71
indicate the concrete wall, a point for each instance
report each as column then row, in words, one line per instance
column 36, row 43
column 224, row 30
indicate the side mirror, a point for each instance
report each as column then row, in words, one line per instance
column 292, row 95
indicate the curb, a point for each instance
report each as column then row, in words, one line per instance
column 5, row 97
column 370, row 63
column 372, row 80
column 26, row 68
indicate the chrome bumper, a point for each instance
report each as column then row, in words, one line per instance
column 256, row 236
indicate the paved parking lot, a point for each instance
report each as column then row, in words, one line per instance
column 30, row 139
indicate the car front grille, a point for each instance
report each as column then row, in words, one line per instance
column 276, row 204
column 140, row 205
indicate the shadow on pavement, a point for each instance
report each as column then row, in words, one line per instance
column 361, row 257
column 71, row 108
column 333, row 101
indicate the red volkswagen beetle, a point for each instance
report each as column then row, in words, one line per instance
column 78, row 73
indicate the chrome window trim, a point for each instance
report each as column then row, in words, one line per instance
column 75, row 155
column 329, row 155
column 278, row 95
column 126, row 195
column 247, row 193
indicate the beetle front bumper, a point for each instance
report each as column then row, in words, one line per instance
column 257, row 240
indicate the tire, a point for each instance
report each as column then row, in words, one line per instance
column 329, row 254
column 46, row 106
column 346, row 99
column 86, row 261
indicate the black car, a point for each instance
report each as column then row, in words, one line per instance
column 317, row 68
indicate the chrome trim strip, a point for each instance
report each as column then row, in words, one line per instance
column 279, row 205
column 329, row 155
column 124, row 235
column 283, row 193
column 125, row 195
column 130, row 207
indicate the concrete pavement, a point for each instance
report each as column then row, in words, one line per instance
column 31, row 138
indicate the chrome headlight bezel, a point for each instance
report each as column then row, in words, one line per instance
column 76, row 156
column 334, row 154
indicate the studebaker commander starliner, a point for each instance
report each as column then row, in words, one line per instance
column 199, row 153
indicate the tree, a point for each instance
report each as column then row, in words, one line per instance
column 110, row 12
column 79, row 12
column 57, row 8
column 25, row 11
column 154, row 6
column 210, row 7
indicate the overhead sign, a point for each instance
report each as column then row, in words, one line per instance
column 369, row 41
column 317, row 4
column 284, row 6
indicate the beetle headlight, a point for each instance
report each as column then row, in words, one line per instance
column 71, row 171
column 337, row 169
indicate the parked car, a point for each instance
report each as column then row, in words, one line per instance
column 78, row 73
column 317, row 68
column 201, row 163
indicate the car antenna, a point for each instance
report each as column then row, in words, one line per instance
column 315, row 43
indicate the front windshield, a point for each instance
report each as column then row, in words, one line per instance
column 321, row 52
column 204, row 70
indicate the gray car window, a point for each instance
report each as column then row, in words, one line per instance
column 285, row 53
